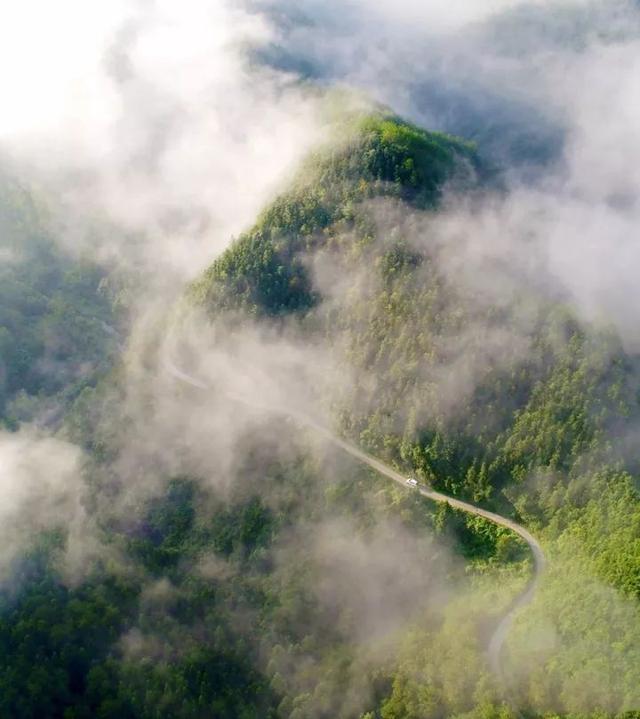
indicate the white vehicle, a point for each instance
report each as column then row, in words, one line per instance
column 412, row 482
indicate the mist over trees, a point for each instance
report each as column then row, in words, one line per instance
column 261, row 229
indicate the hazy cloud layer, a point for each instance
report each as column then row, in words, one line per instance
column 154, row 117
column 161, row 120
column 532, row 82
column 180, row 125
column 42, row 489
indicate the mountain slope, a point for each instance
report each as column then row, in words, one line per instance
column 375, row 156
column 514, row 403
column 246, row 572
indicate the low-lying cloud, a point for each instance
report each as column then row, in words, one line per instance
column 177, row 126
column 531, row 82
column 153, row 118
column 42, row 490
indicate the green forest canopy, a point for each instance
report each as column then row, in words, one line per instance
column 105, row 649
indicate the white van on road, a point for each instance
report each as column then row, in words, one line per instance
column 412, row 482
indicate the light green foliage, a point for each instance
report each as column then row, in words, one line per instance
column 524, row 441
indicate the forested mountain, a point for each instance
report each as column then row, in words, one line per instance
column 237, row 569
column 536, row 425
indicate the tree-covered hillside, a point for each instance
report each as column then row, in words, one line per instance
column 374, row 156
column 242, row 570
column 516, row 405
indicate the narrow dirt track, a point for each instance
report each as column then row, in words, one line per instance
column 500, row 634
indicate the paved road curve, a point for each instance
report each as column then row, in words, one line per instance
column 500, row 634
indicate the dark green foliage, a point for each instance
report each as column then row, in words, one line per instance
column 162, row 538
column 263, row 272
column 53, row 638
column 207, row 682
column 242, row 529
column 61, row 650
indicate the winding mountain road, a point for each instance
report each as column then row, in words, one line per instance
column 500, row 634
